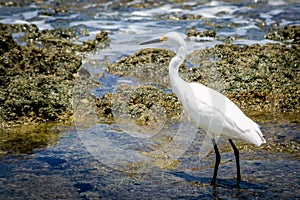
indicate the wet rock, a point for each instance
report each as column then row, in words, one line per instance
column 130, row 4
column 6, row 42
column 148, row 65
column 36, row 85
column 27, row 29
column 257, row 78
column 178, row 16
column 143, row 103
column 16, row 3
column 60, row 33
column 143, row 57
column 206, row 33
column 36, row 80
column 289, row 32
column 101, row 40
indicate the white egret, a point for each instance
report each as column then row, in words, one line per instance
column 209, row 109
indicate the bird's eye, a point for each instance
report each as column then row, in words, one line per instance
column 164, row 38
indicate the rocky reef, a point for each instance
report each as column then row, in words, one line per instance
column 37, row 70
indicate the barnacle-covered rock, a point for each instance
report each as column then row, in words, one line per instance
column 36, row 81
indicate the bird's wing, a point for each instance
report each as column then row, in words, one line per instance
column 224, row 115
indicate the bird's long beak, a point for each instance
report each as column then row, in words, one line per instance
column 155, row 40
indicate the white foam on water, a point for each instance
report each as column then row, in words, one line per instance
column 252, row 42
column 212, row 11
column 30, row 15
column 269, row 16
column 276, row 2
column 42, row 25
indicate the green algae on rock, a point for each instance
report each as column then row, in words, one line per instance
column 26, row 138
column 149, row 64
column 289, row 32
column 258, row 78
column 36, row 81
column 144, row 103
column 206, row 33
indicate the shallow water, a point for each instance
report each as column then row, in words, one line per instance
column 76, row 162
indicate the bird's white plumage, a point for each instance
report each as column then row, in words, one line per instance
column 209, row 109
column 217, row 115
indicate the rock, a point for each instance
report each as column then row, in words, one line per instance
column 289, row 32
column 36, row 82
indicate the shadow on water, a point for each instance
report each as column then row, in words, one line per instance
column 222, row 183
column 54, row 163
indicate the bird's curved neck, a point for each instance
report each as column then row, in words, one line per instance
column 175, row 79
column 175, row 63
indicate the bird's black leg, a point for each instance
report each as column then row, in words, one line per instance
column 218, row 159
column 237, row 159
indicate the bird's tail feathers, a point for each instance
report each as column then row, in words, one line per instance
column 254, row 136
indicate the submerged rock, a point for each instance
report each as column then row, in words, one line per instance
column 27, row 138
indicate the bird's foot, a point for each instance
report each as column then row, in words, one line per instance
column 237, row 185
column 213, row 182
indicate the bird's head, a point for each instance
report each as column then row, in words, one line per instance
column 173, row 38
